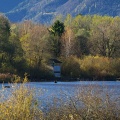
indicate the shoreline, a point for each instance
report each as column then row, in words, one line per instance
column 63, row 80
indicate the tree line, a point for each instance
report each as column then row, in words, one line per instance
column 27, row 46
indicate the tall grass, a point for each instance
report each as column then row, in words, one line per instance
column 20, row 105
column 89, row 103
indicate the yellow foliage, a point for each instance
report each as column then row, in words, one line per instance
column 20, row 105
column 95, row 66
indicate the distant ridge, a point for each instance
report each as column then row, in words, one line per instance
column 44, row 11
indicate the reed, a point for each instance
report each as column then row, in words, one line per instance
column 89, row 103
column 20, row 105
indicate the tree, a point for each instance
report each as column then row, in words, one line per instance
column 16, row 57
column 105, row 37
column 4, row 28
column 56, row 31
column 68, row 21
column 33, row 38
column 76, row 35
column 81, row 46
column 68, row 37
column 57, row 28
column 68, row 42
column 4, row 37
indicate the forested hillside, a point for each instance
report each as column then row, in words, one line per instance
column 88, row 47
column 44, row 11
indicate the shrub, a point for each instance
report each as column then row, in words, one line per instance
column 95, row 67
column 5, row 77
column 115, row 67
column 71, row 67
column 6, row 68
column 92, row 67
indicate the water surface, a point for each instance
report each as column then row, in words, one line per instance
column 46, row 92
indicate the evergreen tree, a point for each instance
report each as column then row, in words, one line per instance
column 56, row 32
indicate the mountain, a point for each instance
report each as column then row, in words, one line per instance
column 45, row 10
column 7, row 5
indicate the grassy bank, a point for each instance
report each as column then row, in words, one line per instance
column 89, row 103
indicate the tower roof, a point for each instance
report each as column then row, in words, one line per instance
column 55, row 61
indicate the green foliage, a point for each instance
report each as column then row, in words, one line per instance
column 4, row 28
column 27, row 47
column 68, row 20
column 57, row 28
column 71, row 67
column 54, row 44
column 54, row 41
column 81, row 46
column 105, row 37
column 6, row 68
column 115, row 67
column 4, row 33
column 92, row 67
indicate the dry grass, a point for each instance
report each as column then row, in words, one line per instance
column 20, row 105
column 5, row 77
column 90, row 103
